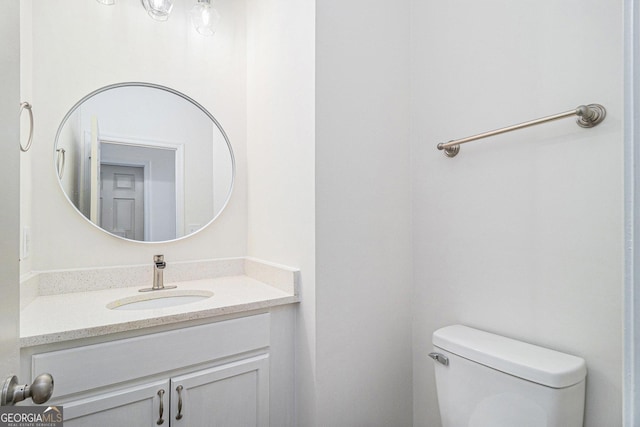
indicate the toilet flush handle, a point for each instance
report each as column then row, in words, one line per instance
column 441, row 358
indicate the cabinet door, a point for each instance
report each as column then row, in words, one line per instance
column 231, row 395
column 140, row 406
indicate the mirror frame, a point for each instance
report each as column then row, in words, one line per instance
column 152, row 86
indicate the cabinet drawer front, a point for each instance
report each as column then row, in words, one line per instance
column 99, row 365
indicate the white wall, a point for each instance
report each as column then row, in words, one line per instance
column 84, row 46
column 281, row 189
column 363, row 214
column 521, row 234
column 336, row 205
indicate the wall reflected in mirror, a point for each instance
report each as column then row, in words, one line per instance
column 144, row 162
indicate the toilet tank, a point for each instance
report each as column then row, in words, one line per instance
column 486, row 380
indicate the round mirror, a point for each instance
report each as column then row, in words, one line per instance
column 144, row 162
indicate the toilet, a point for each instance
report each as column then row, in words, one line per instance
column 487, row 380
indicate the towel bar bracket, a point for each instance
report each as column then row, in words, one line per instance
column 590, row 115
column 450, row 151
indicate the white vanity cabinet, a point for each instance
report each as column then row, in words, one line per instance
column 234, row 395
column 209, row 375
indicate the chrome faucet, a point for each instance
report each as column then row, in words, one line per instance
column 158, row 280
column 158, row 269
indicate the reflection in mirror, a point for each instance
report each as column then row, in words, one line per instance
column 144, row 162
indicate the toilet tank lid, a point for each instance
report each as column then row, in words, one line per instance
column 530, row 362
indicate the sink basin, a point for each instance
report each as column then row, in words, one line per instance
column 159, row 299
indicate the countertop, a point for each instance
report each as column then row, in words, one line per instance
column 68, row 316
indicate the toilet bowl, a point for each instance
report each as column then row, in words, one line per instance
column 486, row 380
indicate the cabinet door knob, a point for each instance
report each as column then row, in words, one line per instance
column 161, row 396
column 179, row 390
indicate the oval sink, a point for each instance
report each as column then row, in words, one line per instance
column 159, row 299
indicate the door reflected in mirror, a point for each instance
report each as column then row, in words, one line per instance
column 144, row 162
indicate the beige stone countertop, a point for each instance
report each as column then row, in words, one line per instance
column 68, row 316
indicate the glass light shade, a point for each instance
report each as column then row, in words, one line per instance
column 205, row 18
column 158, row 9
column 107, row 2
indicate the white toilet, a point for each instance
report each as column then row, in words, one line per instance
column 486, row 380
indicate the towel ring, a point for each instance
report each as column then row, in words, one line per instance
column 60, row 162
column 27, row 106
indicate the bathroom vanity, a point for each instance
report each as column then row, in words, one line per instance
column 213, row 374
column 202, row 363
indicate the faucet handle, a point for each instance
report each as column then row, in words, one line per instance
column 159, row 261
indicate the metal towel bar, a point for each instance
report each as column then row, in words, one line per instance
column 588, row 117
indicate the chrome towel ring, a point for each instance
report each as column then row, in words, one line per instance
column 27, row 106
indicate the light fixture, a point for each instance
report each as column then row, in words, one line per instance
column 158, row 9
column 205, row 18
